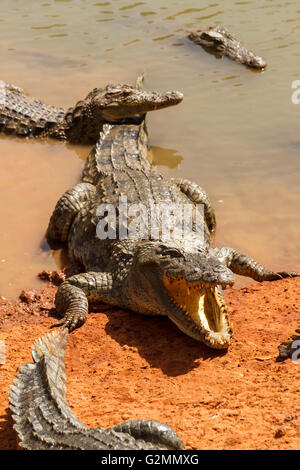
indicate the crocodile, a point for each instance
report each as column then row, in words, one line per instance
column 23, row 116
column 44, row 421
column 154, row 272
column 222, row 43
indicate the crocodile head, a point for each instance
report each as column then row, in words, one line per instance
column 212, row 39
column 185, row 286
column 117, row 102
column 113, row 104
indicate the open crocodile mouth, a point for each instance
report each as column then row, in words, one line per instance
column 201, row 311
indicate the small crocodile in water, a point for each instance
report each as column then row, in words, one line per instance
column 22, row 115
column 181, row 277
column 44, row 421
column 221, row 42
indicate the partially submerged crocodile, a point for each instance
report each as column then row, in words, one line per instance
column 44, row 421
column 24, row 116
column 180, row 277
column 221, row 42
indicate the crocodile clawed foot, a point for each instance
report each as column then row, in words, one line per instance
column 70, row 321
column 283, row 275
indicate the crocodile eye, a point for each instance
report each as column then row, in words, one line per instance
column 206, row 36
column 172, row 252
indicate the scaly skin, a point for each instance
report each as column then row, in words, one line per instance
column 221, row 42
column 179, row 278
column 43, row 420
column 21, row 115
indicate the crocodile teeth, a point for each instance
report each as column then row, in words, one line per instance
column 202, row 311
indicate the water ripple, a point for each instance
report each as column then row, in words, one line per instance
column 129, row 7
column 161, row 38
column 49, row 26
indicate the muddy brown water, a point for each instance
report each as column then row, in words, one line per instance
column 236, row 133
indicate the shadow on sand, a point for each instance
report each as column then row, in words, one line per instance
column 158, row 341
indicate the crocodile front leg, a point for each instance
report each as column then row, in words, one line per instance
column 74, row 294
column 65, row 211
column 198, row 195
column 246, row 266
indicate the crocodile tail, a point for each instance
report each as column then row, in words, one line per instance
column 24, row 116
column 153, row 432
column 42, row 418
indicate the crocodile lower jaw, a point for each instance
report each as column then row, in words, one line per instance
column 200, row 312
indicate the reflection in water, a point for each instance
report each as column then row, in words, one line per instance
column 164, row 157
column 60, row 257
column 235, row 133
column 82, row 151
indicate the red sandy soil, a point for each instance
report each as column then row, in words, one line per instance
column 122, row 366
